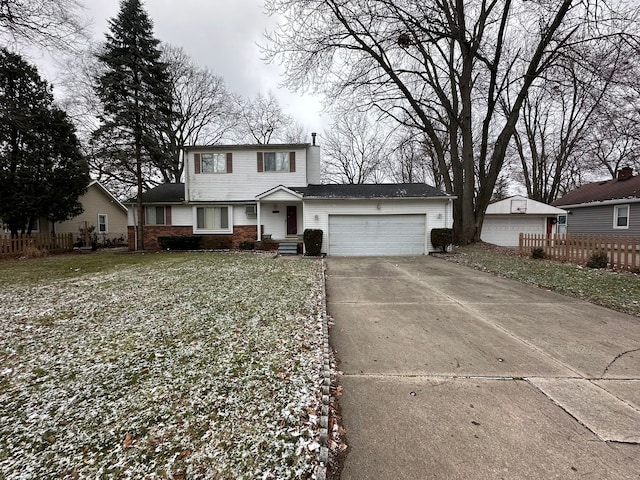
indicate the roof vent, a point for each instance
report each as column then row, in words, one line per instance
column 625, row 173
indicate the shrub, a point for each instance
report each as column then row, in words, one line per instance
column 246, row 245
column 598, row 260
column 267, row 245
column 442, row 238
column 312, row 241
column 537, row 253
column 217, row 242
column 180, row 242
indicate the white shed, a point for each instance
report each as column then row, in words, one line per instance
column 506, row 219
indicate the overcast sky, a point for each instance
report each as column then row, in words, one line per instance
column 221, row 35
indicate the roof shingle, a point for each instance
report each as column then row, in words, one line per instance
column 601, row 191
column 380, row 190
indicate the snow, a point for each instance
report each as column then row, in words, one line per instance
column 196, row 366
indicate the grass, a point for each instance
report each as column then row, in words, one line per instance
column 199, row 366
column 616, row 290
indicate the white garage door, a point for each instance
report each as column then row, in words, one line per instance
column 505, row 231
column 376, row 234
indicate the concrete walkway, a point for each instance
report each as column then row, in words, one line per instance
column 451, row 373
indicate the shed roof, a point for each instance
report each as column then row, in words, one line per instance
column 615, row 189
column 374, row 191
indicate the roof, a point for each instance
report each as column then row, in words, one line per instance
column 364, row 191
column 249, row 146
column 519, row 205
column 602, row 191
column 165, row 193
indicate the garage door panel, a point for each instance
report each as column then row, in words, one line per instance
column 376, row 234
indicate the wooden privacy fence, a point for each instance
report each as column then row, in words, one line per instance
column 623, row 252
column 23, row 244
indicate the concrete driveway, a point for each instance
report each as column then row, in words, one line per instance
column 452, row 373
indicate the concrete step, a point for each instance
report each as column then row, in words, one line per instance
column 288, row 249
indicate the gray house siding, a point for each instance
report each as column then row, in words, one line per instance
column 599, row 220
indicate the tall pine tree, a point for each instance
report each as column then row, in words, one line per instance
column 42, row 171
column 134, row 90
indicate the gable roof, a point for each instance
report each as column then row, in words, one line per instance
column 602, row 191
column 279, row 188
column 165, row 193
column 519, row 205
column 108, row 194
column 366, row 191
column 247, row 146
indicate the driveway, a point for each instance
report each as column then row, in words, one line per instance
column 452, row 373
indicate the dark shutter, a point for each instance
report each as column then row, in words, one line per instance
column 196, row 162
column 260, row 162
column 292, row 161
column 167, row 213
column 229, row 162
column 144, row 219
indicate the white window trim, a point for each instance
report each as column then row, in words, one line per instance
column 222, row 231
column 164, row 218
column 615, row 217
column 106, row 223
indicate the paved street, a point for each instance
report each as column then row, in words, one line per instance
column 450, row 373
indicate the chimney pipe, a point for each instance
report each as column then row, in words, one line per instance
column 313, row 138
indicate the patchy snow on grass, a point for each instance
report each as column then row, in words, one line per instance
column 198, row 366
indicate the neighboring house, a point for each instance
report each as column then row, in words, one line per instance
column 609, row 207
column 507, row 218
column 102, row 211
column 233, row 189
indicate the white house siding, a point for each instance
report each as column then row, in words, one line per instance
column 245, row 182
column 504, row 230
column 313, row 165
column 316, row 213
column 181, row 215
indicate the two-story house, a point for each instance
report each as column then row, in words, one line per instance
column 255, row 192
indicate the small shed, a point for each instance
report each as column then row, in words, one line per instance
column 507, row 218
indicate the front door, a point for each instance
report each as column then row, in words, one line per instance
column 292, row 220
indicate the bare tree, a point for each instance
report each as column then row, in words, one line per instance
column 54, row 24
column 261, row 120
column 436, row 65
column 413, row 159
column 355, row 149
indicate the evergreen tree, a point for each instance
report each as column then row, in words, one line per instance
column 134, row 90
column 42, row 171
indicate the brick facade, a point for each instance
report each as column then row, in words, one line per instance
column 241, row 233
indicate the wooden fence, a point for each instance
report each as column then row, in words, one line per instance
column 24, row 244
column 623, row 252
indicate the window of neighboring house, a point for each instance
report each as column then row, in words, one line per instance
column 214, row 162
column 35, row 226
column 621, row 216
column 102, row 223
column 155, row 216
column 276, row 161
column 213, row 219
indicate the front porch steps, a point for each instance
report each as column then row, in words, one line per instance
column 288, row 248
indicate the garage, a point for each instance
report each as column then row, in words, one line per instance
column 506, row 231
column 377, row 234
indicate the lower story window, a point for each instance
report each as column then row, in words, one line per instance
column 102, row 223
column 154, row 216
column 212, row 218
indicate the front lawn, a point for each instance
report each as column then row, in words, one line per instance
column 616, row 290
column 177, row 366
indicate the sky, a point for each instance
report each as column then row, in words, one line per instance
column 222, row 35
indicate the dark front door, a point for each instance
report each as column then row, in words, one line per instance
column 292, row 220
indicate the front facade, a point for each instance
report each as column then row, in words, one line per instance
column 272, row 193
column 506, row 219
column 610, row 207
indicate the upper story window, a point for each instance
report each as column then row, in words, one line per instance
column 213, row 162
column 276, row 161
column 621, row 216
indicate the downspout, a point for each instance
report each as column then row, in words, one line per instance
column 258, row 207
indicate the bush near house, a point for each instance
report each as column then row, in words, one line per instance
column 217, row 242
column 312, row 241
column 181, row 242
column 442, row 238
column 598, row 260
